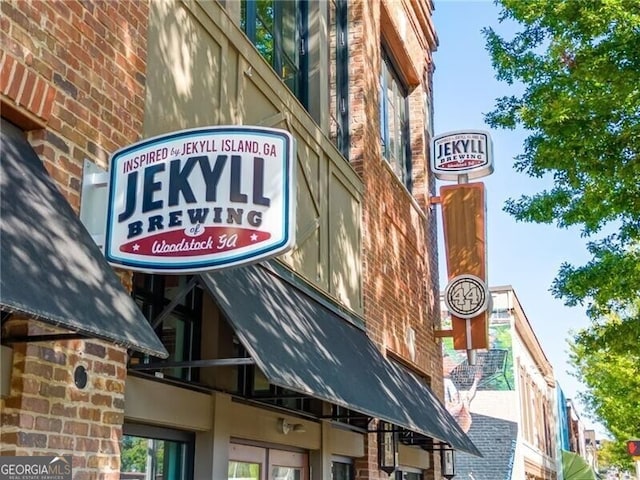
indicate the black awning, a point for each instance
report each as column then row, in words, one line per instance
column 301, row 345
column 50, row 268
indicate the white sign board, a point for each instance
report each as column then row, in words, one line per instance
column 466, row 296
column 201, row 199
column 463, row 152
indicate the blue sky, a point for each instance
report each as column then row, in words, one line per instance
column 524, row 255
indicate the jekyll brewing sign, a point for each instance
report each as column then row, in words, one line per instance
column 463, row 152
column 201, row 199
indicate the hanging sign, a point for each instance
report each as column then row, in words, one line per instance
column 201, row 199
column 466, row 296
column 463, row 152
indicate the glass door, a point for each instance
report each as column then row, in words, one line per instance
column 248, row 462
column 285, row 465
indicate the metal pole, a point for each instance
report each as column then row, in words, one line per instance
column 638, row 469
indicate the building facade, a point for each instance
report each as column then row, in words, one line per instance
column 318, row 364
column 507, row 401
column 577, row 446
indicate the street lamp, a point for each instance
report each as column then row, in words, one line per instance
column 387, row 448
column 447, row 462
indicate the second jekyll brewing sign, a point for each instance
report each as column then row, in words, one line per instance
column 201, row 199
column 463, row 152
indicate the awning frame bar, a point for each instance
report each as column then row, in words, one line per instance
column 180, row 294
column 216, row 362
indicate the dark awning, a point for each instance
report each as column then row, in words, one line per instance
column 50, row 268
column 301, row 345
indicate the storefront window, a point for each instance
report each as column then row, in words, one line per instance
column 404, row 475
column 175, row 316
column 249, row 462
column 151, row 453
column 244, row 471
column 342, row 470
column 286, row 473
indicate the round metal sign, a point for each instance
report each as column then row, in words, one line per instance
column 466, row 296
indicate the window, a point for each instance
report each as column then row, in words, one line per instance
column 153, row 453
column 405, row 473
column 279, row 31
column 178, row 327
column 342, row 469
column 394, row 123
column 252, row 383
column 248, row 462
column 339, row 71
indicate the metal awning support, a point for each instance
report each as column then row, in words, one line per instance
column 218, row 362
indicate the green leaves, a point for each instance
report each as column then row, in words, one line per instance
column 579, row 63
column 606, row 358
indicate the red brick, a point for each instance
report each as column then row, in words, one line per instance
column 7, row 69
column 35, row 101
column 34, row 404
column 26, row 93
column 61, row 442
column 22, row 420
column 90, row 414
column 102, row 368
column 64, row 410
column 15, row 82
column 47, row 104
column 29, row 385
column 48, row 424
column 84, row 444
column 62, row 375
column 109, row 447
column 76, row 428
column 38, row 369
column 27, row 439
column 101, row 400
column 113, row 418
column 100, row 431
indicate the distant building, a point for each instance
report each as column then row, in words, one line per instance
column 577, row 441
column 577, row 445
column 509, row 396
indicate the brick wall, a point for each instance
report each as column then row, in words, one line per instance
column 90, row 57
column 72, row 74
column 399, row 237
column 400, row 265
column 47, row 414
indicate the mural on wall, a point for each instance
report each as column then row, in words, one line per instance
column 493, row 369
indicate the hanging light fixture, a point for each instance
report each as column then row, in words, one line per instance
column 447, row 461
column 387, row 447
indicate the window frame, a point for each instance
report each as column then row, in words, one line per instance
column 165, row 434
column 149, row 294
column 249, row 19
column 340, row 8
column 400, row 166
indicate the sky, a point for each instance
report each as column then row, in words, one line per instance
column 526, row 256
